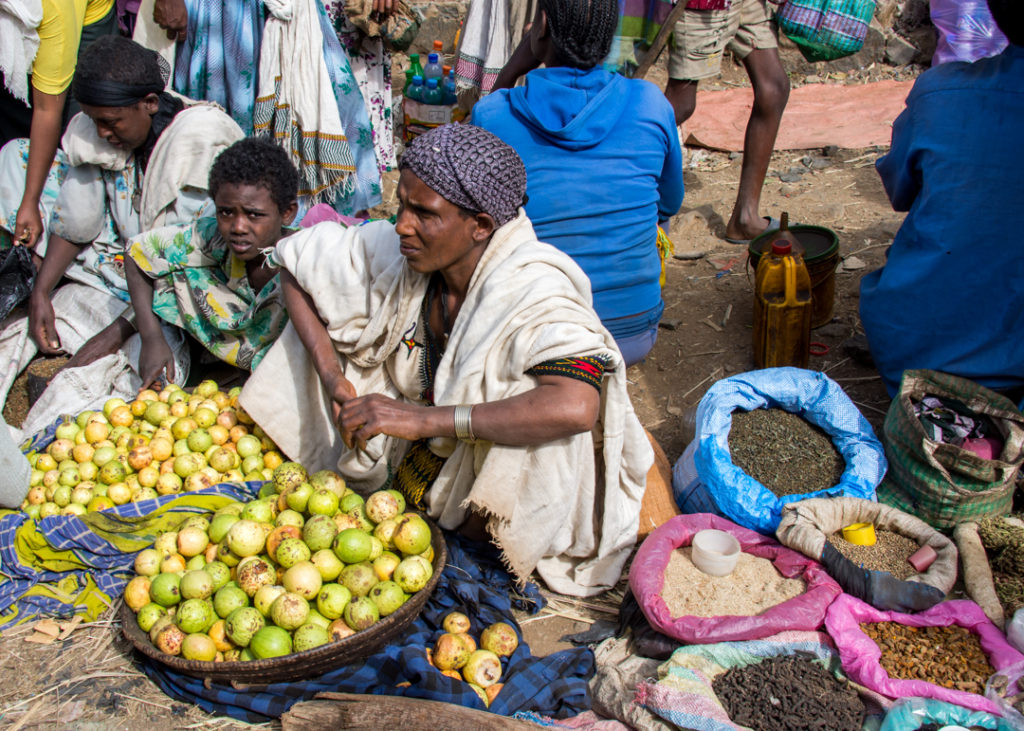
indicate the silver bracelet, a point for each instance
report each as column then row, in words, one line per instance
column 464, row 423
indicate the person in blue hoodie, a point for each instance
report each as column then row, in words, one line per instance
column 603, row 162
column 949, row 297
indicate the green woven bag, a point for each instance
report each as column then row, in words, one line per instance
column 825, row 30
column 940, row 483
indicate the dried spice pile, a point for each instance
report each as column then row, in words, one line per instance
column 948, row 656
column 754, row 586
column 890, row 553
column 784, row 452
column 1004, row 545
column 791, row 693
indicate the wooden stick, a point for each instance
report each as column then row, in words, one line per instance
column 373, row 712
column 660, row 40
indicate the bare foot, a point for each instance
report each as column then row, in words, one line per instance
column 742, row 231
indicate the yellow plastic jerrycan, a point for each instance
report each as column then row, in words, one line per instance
column 782, row 303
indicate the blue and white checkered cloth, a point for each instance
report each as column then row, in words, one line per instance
column 473, row 582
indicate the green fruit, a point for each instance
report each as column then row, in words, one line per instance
column 290, row 552
column 309, row 636
column 289, row 475
column 353, row 545
column 229, row 598
column 242, row 624
column 219, row 572
column 322, row 502
column 196, row 585
column 388, row 596
column 194, row 615
column 270, row 641
column 148, row 616
column 165, row 589
column 220, row 525
column 332, row 600
column 361, row 613
column 319, row 532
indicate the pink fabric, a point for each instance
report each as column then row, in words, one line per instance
column 860, row 655
column 855, row 116
column 804, row 612
column 322, row 212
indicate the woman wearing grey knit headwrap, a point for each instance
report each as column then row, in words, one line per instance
column 481, row 368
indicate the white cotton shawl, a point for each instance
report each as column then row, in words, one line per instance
column 554, row 507
column 181, row 157
column 19, row 43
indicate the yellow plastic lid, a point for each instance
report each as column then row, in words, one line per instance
column 861, row 534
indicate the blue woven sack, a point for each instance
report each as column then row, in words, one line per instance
column 705, row 479
column 825, row 30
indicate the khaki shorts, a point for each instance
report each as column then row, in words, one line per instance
column 701, row 37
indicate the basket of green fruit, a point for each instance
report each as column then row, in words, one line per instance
column 304, row 579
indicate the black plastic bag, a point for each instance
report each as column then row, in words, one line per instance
column 17, row 273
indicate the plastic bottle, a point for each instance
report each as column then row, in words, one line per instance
column 451, row 92
column 439, row 47
column 416, row 90
column 782, row 303
column 433, row 68
column 966, row 31
column 432, row 94
column 408, row 81
column 414, row 64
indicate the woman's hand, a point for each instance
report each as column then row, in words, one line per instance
column 368, row 416
column 172, row 16
column 42, row 325
column 383, row 7
column 156, row 363
column 28, row 225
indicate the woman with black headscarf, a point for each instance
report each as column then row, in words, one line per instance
column 458, row 359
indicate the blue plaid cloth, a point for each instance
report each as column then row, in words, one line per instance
column 96, row 543
column 90, row 540
column 473, row 582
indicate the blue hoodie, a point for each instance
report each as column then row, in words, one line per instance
column 603, row 168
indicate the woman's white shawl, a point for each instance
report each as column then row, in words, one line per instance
column 556, row 508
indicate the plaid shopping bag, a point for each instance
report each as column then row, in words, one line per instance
column 825, row 30
column 940, row 483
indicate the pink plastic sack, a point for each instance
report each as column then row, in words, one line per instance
column 804, row 612
column 860, row 655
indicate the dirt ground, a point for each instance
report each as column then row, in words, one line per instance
column 91, row 681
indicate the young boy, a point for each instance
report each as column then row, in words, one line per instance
column 212, row 278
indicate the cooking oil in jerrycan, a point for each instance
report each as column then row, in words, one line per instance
column 782, row 303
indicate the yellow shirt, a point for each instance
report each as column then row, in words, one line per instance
column 59, row 36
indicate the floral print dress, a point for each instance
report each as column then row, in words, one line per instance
column 371, row 65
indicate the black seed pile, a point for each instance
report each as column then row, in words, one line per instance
column 789, row 693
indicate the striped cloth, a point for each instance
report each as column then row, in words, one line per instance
column 684, row 695
column 473, row 582
column 68, row 565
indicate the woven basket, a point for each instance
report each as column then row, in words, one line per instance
column 299, row 665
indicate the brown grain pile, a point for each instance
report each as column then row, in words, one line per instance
column 784, row 452
column 948, row 656
column 753, row 587
column 890, row 553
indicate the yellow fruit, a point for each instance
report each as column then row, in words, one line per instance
column 272, row 460
column 179, row 409
column 121, row 416
column 161, row 449
column 138, row 408
column 96, row 431
column 83, row 452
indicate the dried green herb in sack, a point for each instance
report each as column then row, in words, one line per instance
column 784, row 452
column 1004, row 544
column 791, row 693
column 890, row 553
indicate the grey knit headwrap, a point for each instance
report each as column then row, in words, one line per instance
column 470, row 167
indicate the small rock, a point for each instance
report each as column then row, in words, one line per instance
column 812, row 79
column 670, row 324
column 787, row 190
column 831, row 150
column 852, row 264
column 793, row 175
column 735, row 155
column 689, row 255
column 898, row 51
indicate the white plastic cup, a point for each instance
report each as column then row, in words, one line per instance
column 715, row 552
